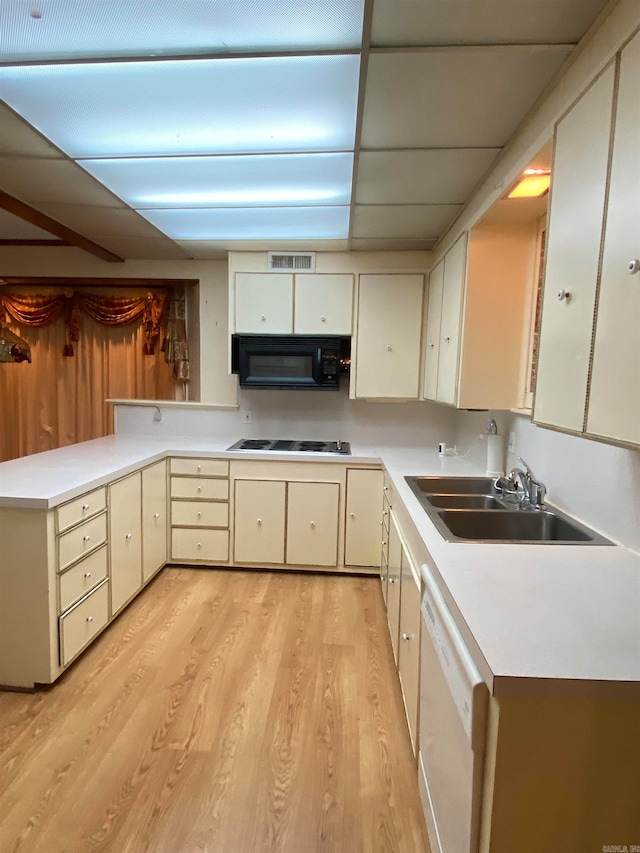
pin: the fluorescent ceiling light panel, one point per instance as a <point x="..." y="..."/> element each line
<point x="259" y="223"/>
<point x="196" y="106"/>
<point x="50" y="29"/>
<point x="533" y="184"/>
<point x="262" y="180"/>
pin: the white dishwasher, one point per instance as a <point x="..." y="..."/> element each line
<point x="453" y="717"/>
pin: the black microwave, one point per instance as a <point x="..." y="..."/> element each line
<point x="289" y="361"/>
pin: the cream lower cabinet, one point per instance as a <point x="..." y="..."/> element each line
<point x="154" y="519"/>
<point x="125" y="539"/>
<point x="409" y="643"/>
<point x="394" y="580"/>
<point x="291" y="523"/>
<point x="389" y="324"/>
<point x="362" y="523"/>
<point x="199" y="493"/>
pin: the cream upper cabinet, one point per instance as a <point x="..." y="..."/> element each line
<point x="389" y="319"/>
<point x="323" y="304"/>
<point x="432" y="331"/>
<point x="614" y="398"/>
<point x="264" y="303"/>
<point x="475" y="316"/>
<point x="575" y="222"/>
<point x="312" y="524"/>
<point x="364" y="511"/>
<point x="304" y="304"/>
<point x="125" y="539"/>
<point x="259" y="529"/>
<point x="154" y="518"/>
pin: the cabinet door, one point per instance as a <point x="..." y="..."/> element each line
<point x="572" y="254"/>
<point x="323" y="304"/>
<point x="154" y="519"/>
<point x="409" y="645"/>
<point x="364" y="511"/>
<point x="388" y="346"/>
<point x="614" y="399"/>
<point x="264" y="303"/>
<point x="312" y="524"/>
<point x="432" y="334"/>
<point x="259" y="521"/>
<point x="393" y="584"/>
<point x="125" y="539"/>
<point x="453" y="280"/>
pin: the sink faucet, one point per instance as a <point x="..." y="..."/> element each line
<point x="534" y="491"/>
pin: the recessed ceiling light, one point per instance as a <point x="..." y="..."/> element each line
<point x="533" y="184"/>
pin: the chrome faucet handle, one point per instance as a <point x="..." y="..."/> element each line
<point x="535" y="489"/>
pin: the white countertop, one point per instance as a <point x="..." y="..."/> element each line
<point x="546" y="613"/>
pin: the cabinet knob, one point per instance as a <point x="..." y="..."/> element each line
<point x="352" y="515"/>
<point x="323" y="319"/>
<point x="388" y="348"/>
<point x="128" y="536"/>
<point x="199" y="468"/>
<point x="259" y="521"/>
<point x="85" y="507"/>
<point x="564" y="295"/>
<point x="634" y="266"/>
<point x="263" y="318"/>
<point x="87" y="574"/>
<point x="432" y="346"/>
<point x="406" y="637"/>
<point x="86" y="538"/>
<point x="198" y="488"/>
<point x="199" y="544"/>
<point x="89" y="618"/>
<point x="199" y="515"/>
<point x="392" y="580"/>
<point x="312" y="524"/>
<point x="156" y="515"/>
<point x="447" y="340"/>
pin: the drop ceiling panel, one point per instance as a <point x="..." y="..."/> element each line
<point x="257" y="105"/>
<point x="453" y="97"/>
<point x="260" y="223"/>
<point x="14" y="228"/>
<point x="403" y="221"/>
<point x="442" y="22"/>
<point x="438" y="176"/>
<point x="263" y="180"/>
<point x="97" y="222"/>
<point x="116" y="27"/>
<point x="137" y="248"/>
<point x="36" y="181"/>
<point x="19" y="138"/>
<point x="217" y="249"/>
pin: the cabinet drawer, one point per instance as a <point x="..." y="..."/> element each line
<point x="199" y="488"/>
<point x="71" y="513"/>
<point x="80" y="625"/>
<point x="199" y="514"/>
<point x="201" y="467"/>
<point x="82" y="539"/>
<point x="206" y="545"/>
<point x="82" y="578"/>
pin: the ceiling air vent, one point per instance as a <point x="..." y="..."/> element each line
<point x="292" y="262"/>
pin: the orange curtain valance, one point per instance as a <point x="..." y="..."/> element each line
<point x="38" y="311"/>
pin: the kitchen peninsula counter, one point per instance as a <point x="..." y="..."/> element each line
<point x="534" y="616"/>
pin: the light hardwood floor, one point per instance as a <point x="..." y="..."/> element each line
<point x="226" y="712"/>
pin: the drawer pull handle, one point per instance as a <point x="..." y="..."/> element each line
<point x="86" y="538"/>
<point x="85" y="506"/>
<point x="156" y="515"/>
<point x="87" y="574"/>
<point x="128" y="536"/>
<point x="89" y="618"/>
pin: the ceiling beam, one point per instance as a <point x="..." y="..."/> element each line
<point x="41" y="220"/>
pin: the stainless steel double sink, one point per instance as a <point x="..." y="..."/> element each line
<point x="471" y="509"/>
